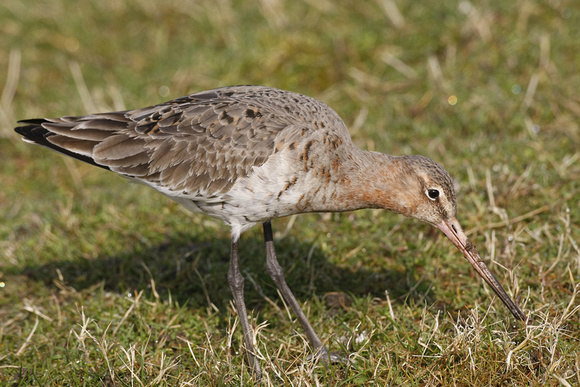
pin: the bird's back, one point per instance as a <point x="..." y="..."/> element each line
<point x="195" y="146"/>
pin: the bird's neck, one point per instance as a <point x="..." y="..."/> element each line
<point x="368" y="180"/>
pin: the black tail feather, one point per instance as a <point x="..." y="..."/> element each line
<point x="34" y="132"/>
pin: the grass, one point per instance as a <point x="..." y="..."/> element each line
<point x="108" y="283"/>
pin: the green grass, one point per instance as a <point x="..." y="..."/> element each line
<point x="108" y="283"/>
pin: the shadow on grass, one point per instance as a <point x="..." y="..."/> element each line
<point x="193" y="271"/>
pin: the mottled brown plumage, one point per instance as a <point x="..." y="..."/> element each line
<point x="248" y="154"/>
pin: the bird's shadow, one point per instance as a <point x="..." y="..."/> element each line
<point x="193" y="272"/>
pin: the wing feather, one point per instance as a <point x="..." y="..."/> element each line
<point x="200" y="144"/>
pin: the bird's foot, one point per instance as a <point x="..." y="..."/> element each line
<point x="322" y="354"/>
<point x="254" y="364"/>
<point x="257" y="374"/>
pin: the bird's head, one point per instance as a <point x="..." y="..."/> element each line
<point x="425" y="191"/>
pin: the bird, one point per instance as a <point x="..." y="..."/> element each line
<point x="249" y="154"/>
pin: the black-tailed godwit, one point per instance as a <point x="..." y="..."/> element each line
<point x="248" y="154"/>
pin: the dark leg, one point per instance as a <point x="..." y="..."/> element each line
<point x="277" y="273"/>
<point x="236" y="282"/>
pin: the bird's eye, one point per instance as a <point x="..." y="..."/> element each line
<point x="433" y="194"/>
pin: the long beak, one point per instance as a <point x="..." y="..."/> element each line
<point x="453" y="230"/>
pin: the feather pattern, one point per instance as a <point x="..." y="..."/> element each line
<point x="198" y="146"/>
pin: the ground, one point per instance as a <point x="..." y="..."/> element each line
<point x="103" y="282"/>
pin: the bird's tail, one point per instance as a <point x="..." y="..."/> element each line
<point x="63" y="135"/>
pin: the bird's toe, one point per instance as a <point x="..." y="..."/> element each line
<point x="322" y="354"/>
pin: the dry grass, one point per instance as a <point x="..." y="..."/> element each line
<point x="105" y="283"/>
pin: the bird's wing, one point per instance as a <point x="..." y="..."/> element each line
<point x="199" y="144"/>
